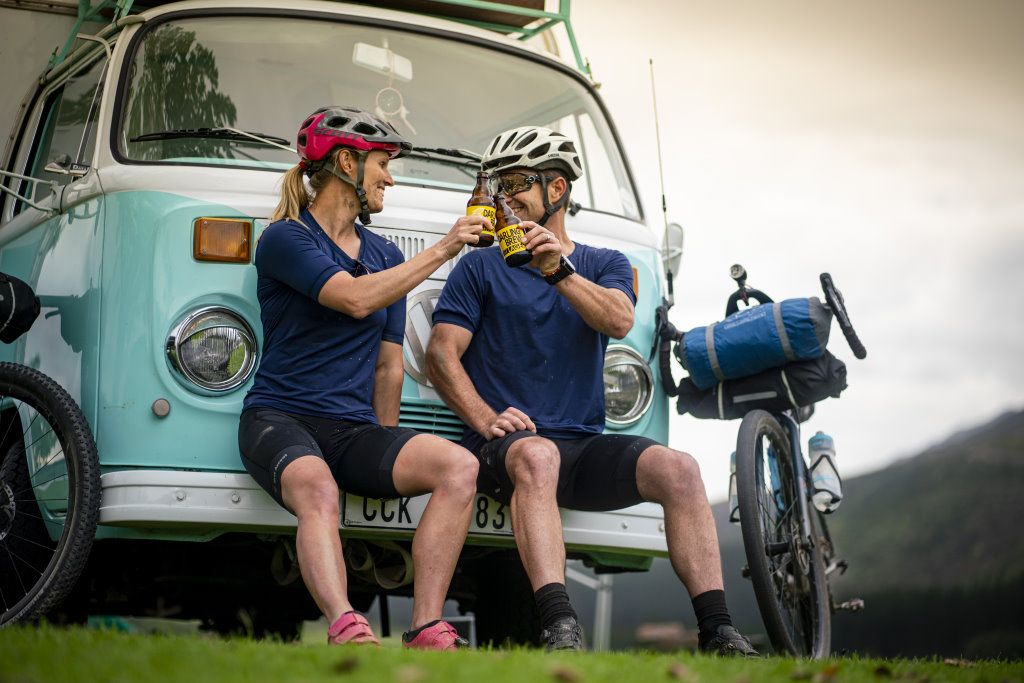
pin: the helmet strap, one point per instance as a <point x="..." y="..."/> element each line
<point x="549" y="208"/>
<point x="357" y="184"/>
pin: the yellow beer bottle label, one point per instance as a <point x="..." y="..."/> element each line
<point x="510" y="238"/>
<point x="485" y="211"/>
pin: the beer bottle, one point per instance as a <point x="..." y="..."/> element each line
<point x="481" y="204"/>
<point x="510" y="234"/>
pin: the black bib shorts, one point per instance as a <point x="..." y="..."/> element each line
<point x="361" y="455"/>
<point x="597" y="473"/>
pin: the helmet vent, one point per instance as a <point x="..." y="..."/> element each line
<point x="337" y="122"/>
<point x="566" y="147"/>
<point x="527" y="139"/>
<point x="302" y="139"/>
<point x="508" y="142"/>
<point x="365" y="128"/>
<point x="306" y="123"/>
<point x="539" y="151"/>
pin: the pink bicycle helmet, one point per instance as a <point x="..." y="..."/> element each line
<point x="330" y="127"/>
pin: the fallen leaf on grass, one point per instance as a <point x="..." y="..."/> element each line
<point x="409" y="674"/>
<point x="882" y="671"/>
<point x="963" y="663"/>
<point x="680" y="672"/>
<point x="825" y="675"/>
<point x="343" y="666"/>
<point x="564" y="673"/>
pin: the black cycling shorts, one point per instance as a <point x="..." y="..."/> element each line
<point x="596" y="473"/>
<point x="360" y="455"/>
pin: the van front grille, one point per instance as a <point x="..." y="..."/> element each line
<point x="431" y="419"/>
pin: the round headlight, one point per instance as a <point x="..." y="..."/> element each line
<point x="213" y="350"/>
<point x="628" y="385"/>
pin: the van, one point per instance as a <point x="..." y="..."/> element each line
<point x="140" y="172"/>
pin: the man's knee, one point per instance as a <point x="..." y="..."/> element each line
<point x="533" y="463"/>
<point x="674" y="473"/>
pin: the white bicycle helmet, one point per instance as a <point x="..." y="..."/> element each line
<point x="540" y="149"/>
<point x="532" y="147"/>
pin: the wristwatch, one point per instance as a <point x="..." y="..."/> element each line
<point x="564" y="270"/>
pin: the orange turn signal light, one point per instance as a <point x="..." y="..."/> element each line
<point x="223" y="240"/>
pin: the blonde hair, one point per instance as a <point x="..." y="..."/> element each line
<point x="294" y="194"/>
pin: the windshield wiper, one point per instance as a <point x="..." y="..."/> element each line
<point x="215" y="133"/>
<point x="459" y="157"/>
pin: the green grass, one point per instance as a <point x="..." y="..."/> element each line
<point x="55" y="655"/>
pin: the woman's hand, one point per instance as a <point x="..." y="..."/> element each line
<point x="465" y="231"/>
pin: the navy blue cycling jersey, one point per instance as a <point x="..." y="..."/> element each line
<point x="318" y="361"/>
<point x="530" y="349"/>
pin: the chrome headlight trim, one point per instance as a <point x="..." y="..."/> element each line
<point x="619" y="355"/>
<point x="205" y="318"/>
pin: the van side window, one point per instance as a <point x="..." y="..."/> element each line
<point x="67" y="128"/>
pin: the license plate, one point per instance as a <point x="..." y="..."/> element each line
<point x="489" y="516"/>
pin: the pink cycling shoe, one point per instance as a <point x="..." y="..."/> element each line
<point x="351" y="628"/>
<point x="437" y="635"/>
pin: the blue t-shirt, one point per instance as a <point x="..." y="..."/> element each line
<point x="530" y="348"/>
<point x="318" y="361"/>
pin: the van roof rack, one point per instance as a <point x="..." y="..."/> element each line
<point x="521" y="19"/>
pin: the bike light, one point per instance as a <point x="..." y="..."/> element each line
<point x="212" y="350"/>
<point x="628" y="385"/>
<point x="224" y="240"/>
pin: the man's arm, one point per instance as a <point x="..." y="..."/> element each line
<point x="444" y="368"/>
<point x="387" y="384"/>
<point x="605" y="309"/>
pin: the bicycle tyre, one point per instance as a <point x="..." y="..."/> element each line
<point x="23" y="524"/>
<point x="789" y="582"/>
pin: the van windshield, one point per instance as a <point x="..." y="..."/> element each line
<point x="264" y="74"/>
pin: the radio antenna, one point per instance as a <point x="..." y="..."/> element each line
<point x="661" y="178"/>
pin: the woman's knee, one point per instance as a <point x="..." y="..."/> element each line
<point x="534" y="463"/>
<point x="313" y="496"/>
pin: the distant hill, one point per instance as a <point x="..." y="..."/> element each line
<point x="933" y="547"/>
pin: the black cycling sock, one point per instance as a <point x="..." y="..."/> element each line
<point x="711" y="613"/>
<point x="553" y="602"/>
<point x="410" y="636"/>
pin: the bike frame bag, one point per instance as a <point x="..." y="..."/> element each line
<point x="793" y="386"/>
<point x="755" y="339"/>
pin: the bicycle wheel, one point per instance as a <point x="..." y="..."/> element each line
<point x="49" y="493"/>
<point x="786" y="569"/>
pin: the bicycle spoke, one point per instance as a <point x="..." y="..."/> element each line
<point x="60" y="451"/>
<point x="14" y="565"/>
<point x="26" y="562"/>
<point x="8" y="430"/>
<point x="29" y="540"/>
<point x="42" y="483"/>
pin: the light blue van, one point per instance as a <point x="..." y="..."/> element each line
<point x="159" y="143"/>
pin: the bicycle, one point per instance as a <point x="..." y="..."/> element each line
<point x="790" y="553"/>
<point x="49" y="493"/>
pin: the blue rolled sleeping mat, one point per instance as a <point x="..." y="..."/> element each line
<point x="754" y="340"/>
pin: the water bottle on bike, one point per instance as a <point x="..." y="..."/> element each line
<point x="828" y="487"/>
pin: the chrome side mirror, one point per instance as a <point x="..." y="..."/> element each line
<point x="63" y="165"/>
<point x="672" y="249"/>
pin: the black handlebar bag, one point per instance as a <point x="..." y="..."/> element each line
<point x="19" y="308"/>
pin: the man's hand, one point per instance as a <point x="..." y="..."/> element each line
<point x="512" y="420"/>
<point x="547" y="250"/>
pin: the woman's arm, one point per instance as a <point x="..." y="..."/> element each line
<point x="360" y="296"/>
<point x="387" y="384"/>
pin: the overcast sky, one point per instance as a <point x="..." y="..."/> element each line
<point x="880" y="141"/>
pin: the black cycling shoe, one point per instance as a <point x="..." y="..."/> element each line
<point x="564" y="634"/>
<point x="728" y="642"/>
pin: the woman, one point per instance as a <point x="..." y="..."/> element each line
<point x="323" y="410"/>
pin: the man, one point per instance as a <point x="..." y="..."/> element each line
<point x="518" y="354"/>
